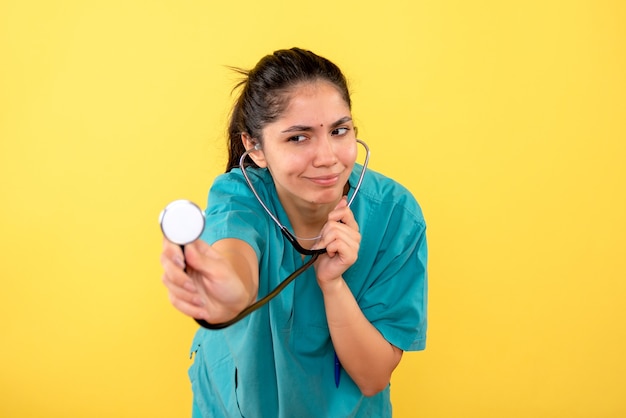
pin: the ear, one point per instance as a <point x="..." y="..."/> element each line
<point x="257" y="155"/>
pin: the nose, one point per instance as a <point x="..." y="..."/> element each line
<point x="324" y="153"/>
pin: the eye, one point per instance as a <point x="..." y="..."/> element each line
<point x="340" y="131"/>
<point x="297" y="138"/>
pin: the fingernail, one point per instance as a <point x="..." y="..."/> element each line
<point x="179" y="261"/>
<point x="198" y="301"/>
<point x="189" y="285"/>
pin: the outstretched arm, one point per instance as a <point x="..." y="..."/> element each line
<point x="210" y="282"/>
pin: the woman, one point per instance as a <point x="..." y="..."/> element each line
<point x="328" y="344"/>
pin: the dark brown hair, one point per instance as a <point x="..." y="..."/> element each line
<point x="264" y="93"/>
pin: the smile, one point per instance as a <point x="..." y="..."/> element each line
<point x="325" y="180"/>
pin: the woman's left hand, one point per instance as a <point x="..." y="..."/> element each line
<point x="341" y="238"/>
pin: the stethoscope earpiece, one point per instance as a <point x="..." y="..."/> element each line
<point x="182" y="222"/>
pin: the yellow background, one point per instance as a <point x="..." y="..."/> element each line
<point x="505" y="119"/>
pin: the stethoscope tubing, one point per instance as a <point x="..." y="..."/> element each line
<point x="256" y="305"/>
<point x="290" y="237"/>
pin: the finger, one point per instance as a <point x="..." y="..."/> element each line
<point x="171" y="248"/>
<point x="342" y="213"/>
<point x="187" y="308"/>
<point x="188" y="294"/>
<point x="341" y="258"/>
<point x="175" y="274"/>
<point x="343" y="202"/>
<point x="173" y="257"/>
<point x="345" y="249"/>
<point x="348" y="229"/>
<point x="175" y="261"/>
<point x="339" y="238"/>
<point x="174" y="253"/>
<point x="342" y="242"/>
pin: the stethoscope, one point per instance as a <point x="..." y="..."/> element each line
<point x="182" y="222"/>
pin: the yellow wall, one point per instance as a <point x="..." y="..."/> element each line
<point x="506" y="120"/>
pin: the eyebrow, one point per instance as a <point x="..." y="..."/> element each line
<point x="304" y="128"/>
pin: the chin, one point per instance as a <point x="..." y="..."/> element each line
<point x="326" y="199"/>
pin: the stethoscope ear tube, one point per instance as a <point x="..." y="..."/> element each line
<point x="242" y="167"/>
<point x="365" y="163"/>
<point x="186" y="226"/>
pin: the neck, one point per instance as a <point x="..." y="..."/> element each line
<point x="307" y="219"/>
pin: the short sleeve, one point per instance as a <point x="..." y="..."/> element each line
<point x="233" y="212"/>
<point x="395" y="300"/>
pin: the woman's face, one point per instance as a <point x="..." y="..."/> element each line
<point x="311" y="149"/>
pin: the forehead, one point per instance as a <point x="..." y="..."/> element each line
<point x="314" y="98"/>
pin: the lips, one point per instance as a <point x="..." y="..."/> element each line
<point x="329" y="180"/>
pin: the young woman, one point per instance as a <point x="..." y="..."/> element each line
<point x="327" y="345"/>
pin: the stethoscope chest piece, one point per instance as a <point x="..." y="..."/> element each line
<point x="182" y="222"/>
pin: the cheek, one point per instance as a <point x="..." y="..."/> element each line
<point x="286" y="165"/>
<point x="348" y="154"/>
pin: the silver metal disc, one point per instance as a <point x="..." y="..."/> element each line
<point x="182" y="222"/>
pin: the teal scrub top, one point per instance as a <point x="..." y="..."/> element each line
<point x="279" y="361"/>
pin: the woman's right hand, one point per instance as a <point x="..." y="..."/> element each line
<point x="207" y="282"/>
